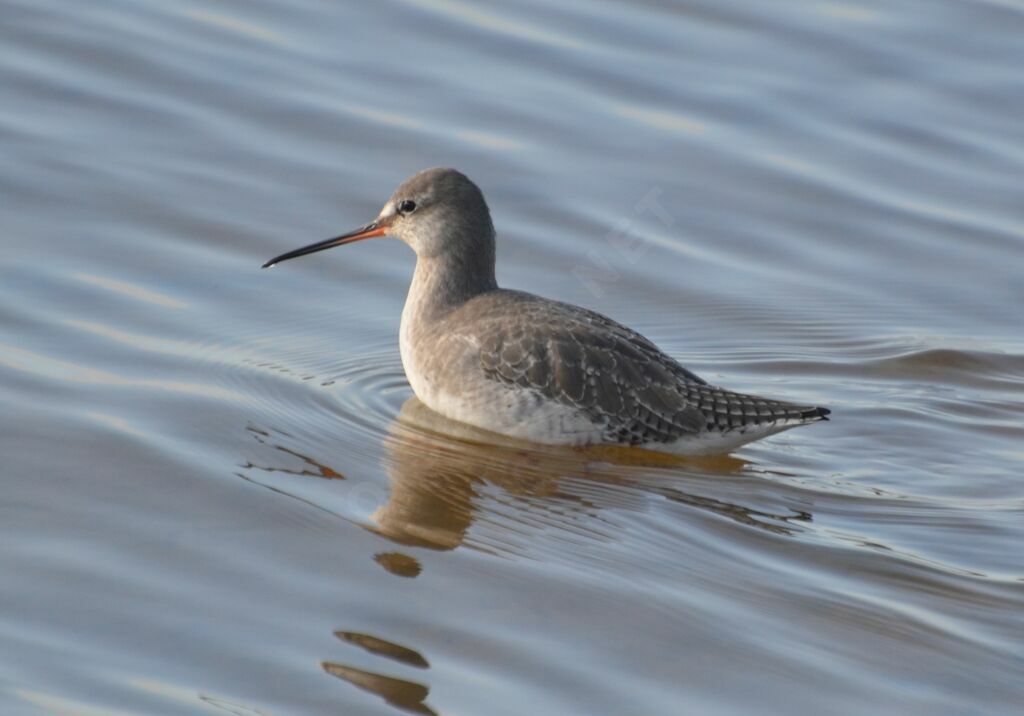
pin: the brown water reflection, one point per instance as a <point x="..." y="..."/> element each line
<point x="443" y="476"/>
<point x="405" y="695"/>
<point x="402" y="693"/>
<point x="438" y="469"/>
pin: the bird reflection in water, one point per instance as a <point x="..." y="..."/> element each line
<point x="401" y="693"/>
<point x="446" y="476"/>
<point x="440" y="471"/>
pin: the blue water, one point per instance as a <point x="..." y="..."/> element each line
<point x="219" y="497"/>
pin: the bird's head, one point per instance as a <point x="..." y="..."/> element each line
<point x="437" y="212"/>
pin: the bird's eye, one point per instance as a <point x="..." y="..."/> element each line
<point x="407" y="206"/>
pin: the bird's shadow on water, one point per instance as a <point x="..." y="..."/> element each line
<point x="444" y="476"/>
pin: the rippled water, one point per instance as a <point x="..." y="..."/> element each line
<point x="219" y="495"/>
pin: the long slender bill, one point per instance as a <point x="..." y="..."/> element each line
<point x="372" y="229"/>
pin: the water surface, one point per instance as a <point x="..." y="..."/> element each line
<point x="220" y="496"/>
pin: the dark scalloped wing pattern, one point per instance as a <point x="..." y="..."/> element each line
<point x="610" y="373"/>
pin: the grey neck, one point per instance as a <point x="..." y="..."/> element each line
<point x="447" y="280"/>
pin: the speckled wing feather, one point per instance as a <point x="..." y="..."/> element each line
<point x="612" y="374"/>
